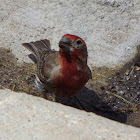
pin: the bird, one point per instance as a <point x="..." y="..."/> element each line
<point x="65" y="72"/>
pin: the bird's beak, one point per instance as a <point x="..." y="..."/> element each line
<point x="65" y="43"/>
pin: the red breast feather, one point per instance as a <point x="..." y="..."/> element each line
<point x="72" y="79"/>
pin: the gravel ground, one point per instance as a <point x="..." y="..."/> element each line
<point x="115" y="95"/>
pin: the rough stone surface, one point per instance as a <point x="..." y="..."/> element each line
<point x="25" y="116"/>
<point x="111" y="28"/>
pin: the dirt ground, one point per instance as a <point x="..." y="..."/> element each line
<point x="114" y="94"/>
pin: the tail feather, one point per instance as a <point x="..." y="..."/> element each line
<point x="38" y="47"/>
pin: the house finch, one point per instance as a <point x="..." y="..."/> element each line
<point x="63" y="72"/>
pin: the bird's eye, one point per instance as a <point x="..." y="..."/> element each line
<point x="79" y="42"/>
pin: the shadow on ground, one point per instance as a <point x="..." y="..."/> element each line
<point x="90" y="102"/>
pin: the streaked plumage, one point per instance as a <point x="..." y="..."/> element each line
<point x="63" y="72"/>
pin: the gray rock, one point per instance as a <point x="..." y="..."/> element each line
<point x="109" y="27"/>
<point x="25" y="116"/>
<point x="111" y="31"/>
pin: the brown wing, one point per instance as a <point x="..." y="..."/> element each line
<point x="50" y="67"/>
<point x="49" y="70"/>
<point x="38" y="47"/>
<point x="47" y="59"/>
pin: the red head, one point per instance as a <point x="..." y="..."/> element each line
<point x="74" y="37"/>
<point x="73" y="47"/>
